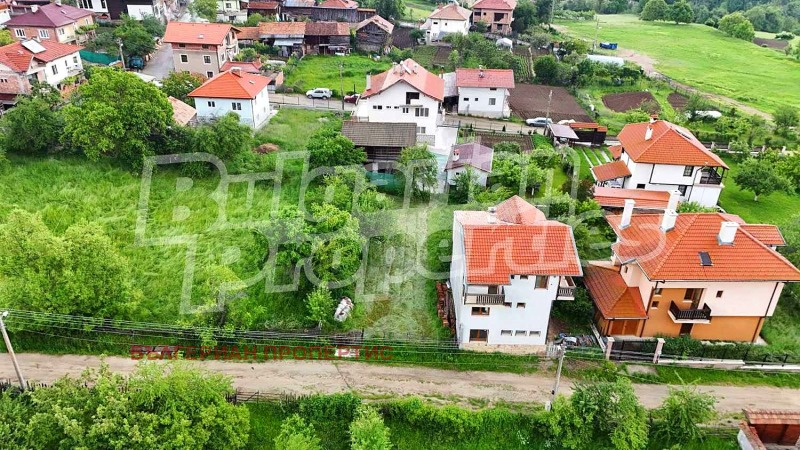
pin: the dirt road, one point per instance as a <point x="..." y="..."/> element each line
<point x="380" y="380"/>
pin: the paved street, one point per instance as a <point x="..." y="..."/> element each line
<point x="298" y="377"/>
<point x="161" y="63"/>
<point x="302" y="100"/>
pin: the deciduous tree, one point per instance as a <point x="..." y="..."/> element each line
<point x="180" y="84"/>
<point x="786" y="116"/>
<point x="136" y="39"/>
<point x="116" y="114"/>
<point x="5" y="37"/>
<point x="524" y="16"/>
<point x="329" y="148"/>
<point x="655" y="10"/>
<point x="738" y="26"/>
<point x="681" y="12"/>
<point x="760" y="177"/>
<point x="206" y="9"/>
<point x="320" y="305"/>
<point x="465" y="186"/>
<point x="31" y="127"/>
<point x="419" y="169"/>
<point x="681" y="415"/>
<point x="296" y="434"/>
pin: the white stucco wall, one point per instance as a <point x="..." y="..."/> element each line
<point x="480" y="175"/>
<point x="667" y="177"/>
<point x="254" y="113"/>
<point x="475" y="102"/>
<point x="437" y="26"/>
<point x="393" y="101"/>
<point x="67" y="66"/>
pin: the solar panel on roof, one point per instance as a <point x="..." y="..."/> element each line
<point x="33" y="46"/>
<point x="705" y="259"/>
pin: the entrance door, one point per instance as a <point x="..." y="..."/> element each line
<point x="686" y="329"/>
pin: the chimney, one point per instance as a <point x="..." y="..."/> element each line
<point x="369" y="82"/>
<point x="648" y="134"/>
<point x="727" y="233"/>
<point x="58" y="2"/>
<point x="627" y="212"/>
<point x="653" y="118"/>
<point x="492" y="214"/>
<point x="668" y="220"/>
<point x="456" y="154"/>
<point x="674" y="196"/>
<point x="34" y="8"/>
<point x="480" y="72"/>
<point x="236" y="71"/>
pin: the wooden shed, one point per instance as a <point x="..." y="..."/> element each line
<point x="374" y="34"/>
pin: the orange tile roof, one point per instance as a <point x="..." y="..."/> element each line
<point x="611" y="295"/>
<point x="615" y="150"/>
<point x="674" y="255"/>
<point x="488" y="78"/>
<point x="772" y="417"/>
<point x="249" y="33"/>
<point x="327" y="29"/>
<point x="499" y="5"/>
<point x="249" y="67"/>
<point x="411" y="73"/>
<point x="182" y="113"/>
<point x="382" y="23"/>
<point x="592" y="125"/>
<point x="348" y="4"/>
<point x="766" y="233"/>
<point x="197" y="33"/>
<point x="452" y="11"/>
<point x="282" y="28"/>
<point x="610" y="171"/>
<point x="241" y="85"/>
<point x="517" y="210"/>
<point x="615" y="198"/>
<point x="19" y="58"/>
<point x="262" y="5"/>
<point x="669" y="144"/>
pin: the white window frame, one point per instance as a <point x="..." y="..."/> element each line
<point x="44" y="34"/>
<point x="236" y="106"/>
<point x="206" y="59"/>
<point x="19" y="32"/>
<point x="184" y="59"/>
<point x="212" y="104"/>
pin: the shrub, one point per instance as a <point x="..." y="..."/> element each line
<point x="296" y="434"/>
<point x="738" y="26"/>
<point x="368" y="432"/>
<point x="679" y="417"/>
<point x="317" y="408"/>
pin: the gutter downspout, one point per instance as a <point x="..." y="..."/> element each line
<point x="761" y="320"/>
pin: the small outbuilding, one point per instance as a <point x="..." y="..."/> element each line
<point x="769" y="427"/>
<point x="474" y="155"/>
<point x="561" y="134"/>
<point x="593" y="133"/>
<point x="382" y="141"/>
<point x="374" y="34"/>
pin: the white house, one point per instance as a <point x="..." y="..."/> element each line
<point x="474" y="156"/>
<point x="710" y="276"/>
<point x="46" y="61"/>
<point x="448" y="19"/>
<point x="232" y="10"/>
<point x="484" y="92"/>
<point x="236" y="91"/>
<point x="5" y="14"/>
<point x="509" y="265"/>
<point x="659" y="155"/>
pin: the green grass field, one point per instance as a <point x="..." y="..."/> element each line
<point x="417" y="10"/>
<point x="323" y="72"/>
<point x="775" y="208"/>
<point x="704" y="58"/>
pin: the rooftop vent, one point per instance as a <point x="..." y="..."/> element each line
<point x="648" y="133"/>
<point x="200" y="36"/>
<point x="668" y="220"/>
<point x="627" y="212"/>
<point x="727" y="233"/>
<point x="492" y="214"/>
<point x="705" y="259"/>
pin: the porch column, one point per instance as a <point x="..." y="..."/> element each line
<point x="659" y="346"/>
<point x="609" y="344"/>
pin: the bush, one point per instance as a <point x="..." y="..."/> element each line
<point x="296" y="434"/>
<point x="318" y="408"/>
<point x="679" y="417"/>
<point x="368" y="432"/>
<point x="738" y="26"/>
<point x="785" y="35"/>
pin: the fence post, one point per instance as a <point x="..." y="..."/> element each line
<point x="657" y="353"/>
<point x="609" y="344"/>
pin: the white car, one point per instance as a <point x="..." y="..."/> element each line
<point x="319" y="93"/>
<point x="539" y="122"/>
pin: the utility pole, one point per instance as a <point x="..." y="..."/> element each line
<point x="596" y="31"/>
<point x="121" y="56"/>
<point x="341" y="83"/>
<point x="561" y="352"/>
<point x="547" y="115"/>
<point x="10" y="349"/>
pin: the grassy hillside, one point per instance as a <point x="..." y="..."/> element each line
<point x="704" y="58"/>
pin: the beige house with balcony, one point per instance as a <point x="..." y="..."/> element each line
<point x="22" y="63"/>
<point x="53" y="22"/>
<point x="201" y="47"/>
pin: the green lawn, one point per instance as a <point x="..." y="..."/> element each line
<point x="704" y="58"/>
<point x="775" y="208"/>
<point x="323" y="72"/>
<point x="418" y="9"/>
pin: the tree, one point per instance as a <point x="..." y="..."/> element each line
<point x="78" y="273"/>
<point x="679" y="418"/>
<point x="368" y="432"/>
<point x="416" y="34"/>
<point x="247" y="54"/>
<point x="136" y="39"/>
<point x="225" y="138"/>
<point x="655" y="10"/>
<point x="613" y="412"/>
<point x="419" y="168"/>
<point x="694" y="104"/>
<point x="389" y="9"/>
<point x="759" y="177"/>
<point x="546" y="69"/>
<point x="116" y="114"/>
<point x="694" y="207"/>
<point x="507" y="147"/>
<point x="329" y="148"/>
<point x="524" y="16"/>
<point x="254" y="19"/>
<point x="681" y="12"/>
<point x="465" y="186"/>
<point x="786" y="116"/>
<point x="320" y="305"/>
<point x="737" y="25"/>
<point x="206" y="9"/>
<point x="31" y="127"/>
<point x="544" y="9"/>
<point x="5" y="37"/>
<point x="180" y="84"/>
<point x="789" y="166"/>
<point x="154" y="26"/>
<point x="296" y="434"/>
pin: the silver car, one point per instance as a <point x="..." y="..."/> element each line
<point x="319" y="93"/>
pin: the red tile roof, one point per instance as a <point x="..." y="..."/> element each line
<point x="182" y="113"/>
<point x="451" y="11"/>
<point x="615" y="150"/>
<point x="50" y="15"/>
<point x="501" y="5"/>
<point x="610" y="171"/>
<point x="262" y="5"/>
<point x="327" y="29"/>
<point x="19" y="58"/>
<point x="248" y="33"/>
<point x="592" y="125"/>
<point x="615" y="198"/>
<point x="382" y="23"/>
<point x="411" y="73"/>
<point x="669" y="144"/>
<point x="766" y="233"/>
<point x="613" y="298"/>
<point x="674" y="255"/>
<point x="516" y="244"/>
<point x="282" y="28"/>
<point x="348" y="4"/>
<point x="249" y="67"/>
<point x="772" y="417"/>
<point x="241" y="85"/>
<point x="485" y="78"/>
<point x="471" y="154"/>
<point x="197" y="33"/>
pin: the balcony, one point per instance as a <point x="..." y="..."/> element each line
<point x="485" y="299"/>
<point x="566" y="289"/>
<point x="692" y="315"/>
<point x="710" y="177"/>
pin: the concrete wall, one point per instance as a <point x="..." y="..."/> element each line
<point x="475" y="102"/>
<point x="66" y="66"/>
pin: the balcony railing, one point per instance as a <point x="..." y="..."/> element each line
<point x="710" y="177"/>
<point x="692" y="314"/>
<point x="486" y="299"/>
<point x="566" y="289"/>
